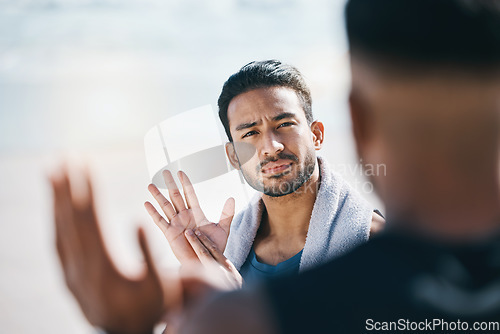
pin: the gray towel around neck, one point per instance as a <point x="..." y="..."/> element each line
<point x="340" y="220"/>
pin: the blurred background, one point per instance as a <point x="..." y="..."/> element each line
<point x="85" y="80"/>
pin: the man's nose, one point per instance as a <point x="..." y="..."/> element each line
<point x="271" y="145"/>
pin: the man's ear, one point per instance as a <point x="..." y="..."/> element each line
<point x="231" y="155"/>
<point x="318" y="131"/>
<point x="362" y="125"/>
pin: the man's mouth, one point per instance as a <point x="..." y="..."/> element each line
<point x="276" y="167"/>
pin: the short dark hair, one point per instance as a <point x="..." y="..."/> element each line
<point x="427" y="32"/>
<point x="263" y="74"/>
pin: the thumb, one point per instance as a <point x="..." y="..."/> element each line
<point x="226" y="217"/>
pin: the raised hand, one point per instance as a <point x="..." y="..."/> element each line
<point x="108" y="299"/>
<point x="211" y="256"/>
<point x="184" y="215"/>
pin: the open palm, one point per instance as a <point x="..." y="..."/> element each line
<point x="183" y="215"/>
<point x="108" y="298"/>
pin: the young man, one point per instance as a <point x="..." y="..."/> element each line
<point x="305" y="214"/>
<point x="425" y="100"/>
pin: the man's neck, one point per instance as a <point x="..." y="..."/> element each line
<point x="285" y="222"/>
<point x="288" y="216"/>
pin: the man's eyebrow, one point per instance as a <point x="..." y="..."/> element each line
<point x="279" y="117"/>
<point x="244" y="126"/>
<point x="283" y="115"/>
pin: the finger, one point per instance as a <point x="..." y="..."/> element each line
<point x="231" y="272"/>
<point x="157" y="218"/>
<point x="173" y="192"/>
<point x="63" y="215"/>
<point x="67" y="243"/>
<point x="165" y="205"/>
<point x="201" y="251"/>
<point x="189" y="193"/>
<point x="212" y="248"/>
<point x="89" y="191"/>
<point x="60" y="250"/>
<point x="87" y="223"/>
<point x="88" y="214"/>
<point x="227" y="215"/>
<point x="57" y="223"/>
<point x="151" y="268"/>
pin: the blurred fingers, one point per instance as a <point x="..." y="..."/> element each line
<point x="85" y="217"/>
<point x="152" y="271"/>
<point x="66" y="238"/>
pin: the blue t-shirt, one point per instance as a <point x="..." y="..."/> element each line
<point x="253" y="270"/>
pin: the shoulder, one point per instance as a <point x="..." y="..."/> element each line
<point x="337" y="184"/>
<point x="352" y="196"/>
<point x="238" y="218"/>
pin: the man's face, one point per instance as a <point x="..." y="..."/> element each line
<point x="274" y="145"/>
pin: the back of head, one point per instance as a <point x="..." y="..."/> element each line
<point x="263" y="74"/>
<point x="426" y="77"/>
<point x="461" y="33"/>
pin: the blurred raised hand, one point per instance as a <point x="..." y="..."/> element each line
<point x="108" y="299"/>
<point x="182" y="214"/>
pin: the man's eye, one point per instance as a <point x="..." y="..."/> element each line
<point x="285" y="124"/>
<point x="248" y="134"/>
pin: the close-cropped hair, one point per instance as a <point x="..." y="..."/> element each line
<point x="462" y="33"/>
<point x="263" y="74"/>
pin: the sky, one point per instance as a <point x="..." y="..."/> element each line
<point x="116" y="68"/>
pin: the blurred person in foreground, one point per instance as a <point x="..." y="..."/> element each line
<point x="303" y="213"/>
<point x="425" y="100"/>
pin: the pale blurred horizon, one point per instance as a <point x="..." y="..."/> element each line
<point x="89" y="78"/>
